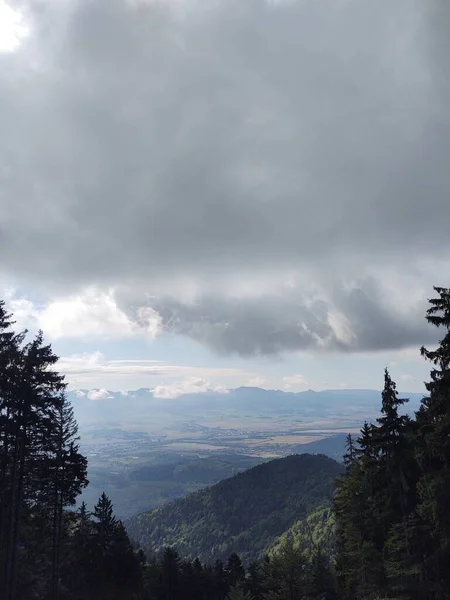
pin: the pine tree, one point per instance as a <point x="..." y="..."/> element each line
<point x="220" y="583"/>
<point x="106" y="523"/>
<point x="41" y="468"/>
<point x="350" y="452"/>
<point x="235" y="571"/>
<point x="286" y="574"/>
<point x="79" y="568"/>
<point x="359" y="532"/>
<point x="433" y="447"/>
<point x="170" y="566"/>
<point x="10" y="364"/>
<point x="354" y="572"/>
<point x="66" y="472"/>
<point x="320" y="584"/>
<point x="114" y="567"/>
<point x="36" y="394"/>
<point x="254" y="583"/>
<point x="397" y="478"/>
<point x="237" y="592"/>
<point x="122" y="565"/>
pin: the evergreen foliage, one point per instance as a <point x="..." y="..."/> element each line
<point x="47" y="551"/>
<point x="387" y="535"/>
<point x="391" y="506"/>
<point x="243" y="514"/>
<point x="318" y="529"/>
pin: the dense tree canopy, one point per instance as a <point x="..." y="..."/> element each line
<point x="41" y="474"/>
<point x="242" y="514"/>
<point x="393" y="522"/>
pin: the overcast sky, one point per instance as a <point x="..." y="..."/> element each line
<point x="205" y="194"/>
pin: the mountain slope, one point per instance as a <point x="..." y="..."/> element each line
<point x="242" y="514"/>
<point x="317" y="529"/>
<point x="332" y="446"/>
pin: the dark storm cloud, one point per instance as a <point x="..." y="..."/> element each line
<point x="249" y="327"/>
<point x="270" y="325"/>
<point x="194" y="146"/>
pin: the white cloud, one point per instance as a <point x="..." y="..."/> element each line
<point x="192" y="385"/>
<point x="341" y="327"/>
<point x="92" y="370"/>
<point x="12" y="28"/>
<point x="99" y="395"/>
<point x="259" y="381"/>
<point x="85" y="360"/>
<point x="89" y="315"/>
<point x="295" y="382"/>
<point x="25" y="313"/>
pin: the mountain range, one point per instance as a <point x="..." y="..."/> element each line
<point x="341" y="406"/>
<point x="145" y="451"/>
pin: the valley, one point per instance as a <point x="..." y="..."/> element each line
<point x="148" y="451"/>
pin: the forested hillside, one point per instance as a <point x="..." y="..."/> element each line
<point x="390" y="508"/>
<point x="317" y="529"/>
<point x="161" y="479"/>
<point x="242" y="514"/>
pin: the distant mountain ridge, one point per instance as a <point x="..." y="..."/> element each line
<point x="245" y="513"/>
<point x="241" y="391"/>
<point x="90" y="404"/>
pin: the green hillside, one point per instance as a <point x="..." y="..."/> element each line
<point x="317" y="529"/>
<point x="158" y="480"/>
<point x="243" y="514"/>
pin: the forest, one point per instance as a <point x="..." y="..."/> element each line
<point x="387" y="534"/>
<point x="243" y="514"/>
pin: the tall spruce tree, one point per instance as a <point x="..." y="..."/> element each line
<point x="393" y="523"/>
<point x="320" y="583"/>
<point x="105" y="522"/>
<point x="10" y="365"/>
<point x="397" y="477"/>
<point x="235" y="570"/>
<point x="433" y="449"/>
<point x="78" y="569"/>
<point x="36" y="394"/>
<point x="237" y="592"/>
<point x="254" y="583"/>
<point x="114" y="571"/>
<point x="285" y="574"/>
<point x="65" y="469"/>
<point x="350" y="452"/>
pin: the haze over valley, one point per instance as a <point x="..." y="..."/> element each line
<point x="146" y="451"/>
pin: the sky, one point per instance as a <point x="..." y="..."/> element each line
<point x="201" y="195"/>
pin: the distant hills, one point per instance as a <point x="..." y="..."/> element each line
<point x="146" y="451"/>
<point x="332" y="446"/>
<point x="341" y="406"/>
<point x="244" y="514"/>
<point x="160" y="479"/>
